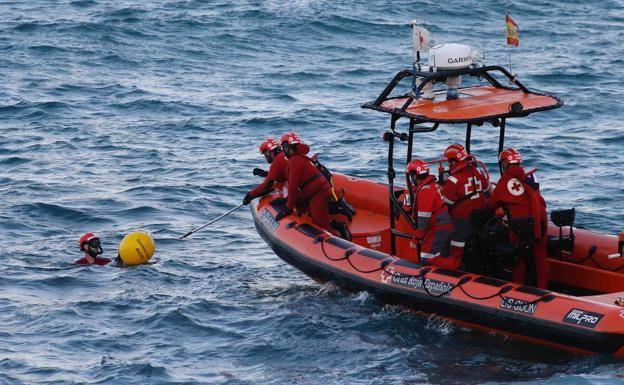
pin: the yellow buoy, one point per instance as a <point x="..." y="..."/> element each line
<point x="136" y="248"/>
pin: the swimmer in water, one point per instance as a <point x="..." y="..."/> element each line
<point x="90" y="244"/>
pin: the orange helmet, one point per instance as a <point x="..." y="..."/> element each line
<point x="86" y="238"/>
<point x="269" y="145"/>
<point x="455" y="152"/>
<point x="511" y="155"/>
<point x="417" y="167"/>
<point x="291" y="138"/>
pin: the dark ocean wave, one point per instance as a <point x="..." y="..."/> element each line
<point x="14" y="160"/>
<point x="34" y="26"/>
<point x="124" y="13"/>
<point x="83" y="3"/>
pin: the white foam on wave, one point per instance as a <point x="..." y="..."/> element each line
<point x="328" y="288"/>
<point x="440" y="324"/>
<point x="361" y="297"/>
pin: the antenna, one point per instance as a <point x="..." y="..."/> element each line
<point x="415" y="57"/>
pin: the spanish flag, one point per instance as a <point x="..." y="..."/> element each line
<point x="512" y="31"/>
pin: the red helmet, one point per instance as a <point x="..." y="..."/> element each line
<point x="291" y="138"/>
<point x="268" y="145"/>
<point x="511" y="155"/>
<point x="418" y="167"/>
<point x="455" y="152"/>
<point x="85" y="238"/>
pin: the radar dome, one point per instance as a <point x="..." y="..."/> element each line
<point x="450" y="56"/>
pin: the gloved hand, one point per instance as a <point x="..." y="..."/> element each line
<point x="279" y="201"/>
<point x="247" y="199"/>
<point x="283" y="214"/>
<point x="419" y="235"/>
<point x="260" y="172"/>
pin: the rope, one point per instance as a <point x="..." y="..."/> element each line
<point x="498" y="293"/>
<point x="421" y="276"/>
<point x="348" y="255"/>
<point x="591" y="258"/>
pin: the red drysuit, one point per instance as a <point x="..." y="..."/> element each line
<point x="464" y="189"/>
<point x="464" y="192"/>
<point x="308" y="188"/>
<point x="98" y="261"/>
<point x="433" y="224"/>
<point x="278" y="173"/>
<point x="515" y="192"/>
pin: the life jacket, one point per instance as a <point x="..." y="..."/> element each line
<point x="304" y="179"/>
<point x="322" y="169"/>
<point x="338" y="205"/>
<point x="519" y="198"/>
<point x="430" y="211"/>
<point x="464" y="190"/>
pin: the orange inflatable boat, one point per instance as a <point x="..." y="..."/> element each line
<point x="581" y="311"/>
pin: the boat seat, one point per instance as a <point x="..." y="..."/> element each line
<point x="370" y="229"/>
<point x="492" y="253"/>
<point x="562" y="243"/>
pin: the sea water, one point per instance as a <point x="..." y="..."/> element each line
<point x="121" y="116"/>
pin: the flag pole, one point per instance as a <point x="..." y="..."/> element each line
<point x="506" y="32"/>
<point x="414" y="59"/>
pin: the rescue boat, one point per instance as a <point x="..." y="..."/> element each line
<point x="582" y="309"/>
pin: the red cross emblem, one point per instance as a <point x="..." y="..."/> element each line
<point x="515" y="187"/>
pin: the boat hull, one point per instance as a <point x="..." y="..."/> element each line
<point x="578" y="324"/>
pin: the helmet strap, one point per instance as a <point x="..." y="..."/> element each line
<point x="290" y="150"/>
<point x="270" y="155"/>
<point x="415" y="178"/>
<point x="95" y="251"/>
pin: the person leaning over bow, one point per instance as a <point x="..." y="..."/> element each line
<point x="278" y="169"/>
<point x="308" y="189"/>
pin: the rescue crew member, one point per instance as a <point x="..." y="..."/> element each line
<point x="463" y="191"/>
<point x="90" y="244"/>
<point x="433" y="223"/>
<point x="308" y="189"/>
<point x="278" y="169"/>
<point x="518" y="195"/>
